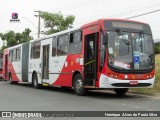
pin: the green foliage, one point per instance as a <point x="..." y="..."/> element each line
<point x="56" y="22"/>
<point x="13" y="38"/>
<point x="157" y="48"/>
<point x="3" y="47"/>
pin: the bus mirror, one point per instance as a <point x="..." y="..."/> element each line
<point x="104" y="37"/>
<point x="104" y="42"/>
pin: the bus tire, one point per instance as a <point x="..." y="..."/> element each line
<point x="78" y="85"/>
<point x="121" y="91"/>
<point x="35" y="81"/>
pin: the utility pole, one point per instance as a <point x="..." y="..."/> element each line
<point x="39" y="22"/>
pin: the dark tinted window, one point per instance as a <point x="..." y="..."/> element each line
<point x="62" y="45"/>
<point x="77" y="37"/>
<point x="11" y="55"/>
<point x="127" y="26"/>
<point x="15" y="54"/>
<point x="54" y="46"/>
<point x="18" y="52"/>
<point x="35" y="49"/>
<point x="75" y="43"/>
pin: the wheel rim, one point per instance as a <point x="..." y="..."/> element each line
<point x="78" y="85"/>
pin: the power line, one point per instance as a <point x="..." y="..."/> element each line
<point x="143" y="14"/>
<point x="126" y="12"/>
<point x="30" y="22"/>
<point x="80" y="4"/>
<point x="119" y="13"/>
<point x="91" y="2"/>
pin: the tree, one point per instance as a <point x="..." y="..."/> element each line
<point x="157" y="48"/>
<point x="24" y="36"/>
<point x="13" y="38"/>
<point x="56" y="22"/>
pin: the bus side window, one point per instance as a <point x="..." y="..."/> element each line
<point x="14" y="55"/>
<point x="11" y="55"/>
<point x="54" y="46"/>
<point x="31" y="51"/>
<point x="75" y="44"/>
<point x="18" y="53"/>
<point x="35" y="50"/>
<point x="62" y="45"/>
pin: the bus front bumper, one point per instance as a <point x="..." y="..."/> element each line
<point x="108" y="82"/>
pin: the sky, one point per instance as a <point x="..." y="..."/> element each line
<point x="84" y="11"/>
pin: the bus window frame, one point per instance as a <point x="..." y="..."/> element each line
<point x="76" y="42"/>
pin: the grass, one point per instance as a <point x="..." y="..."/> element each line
<point x="156" y="88"/>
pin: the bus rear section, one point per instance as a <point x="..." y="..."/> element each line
<point x="5" y="64"/>
<point x="15" y="63"/>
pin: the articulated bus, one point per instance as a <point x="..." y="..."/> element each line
<point x="113" y="54"/>
<point x="1" y="65"/>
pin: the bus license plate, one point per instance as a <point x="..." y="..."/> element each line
<point x="133" y="82"/>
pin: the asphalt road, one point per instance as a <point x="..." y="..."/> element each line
<point x="24" y="97"/>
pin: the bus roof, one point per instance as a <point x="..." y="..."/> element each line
<point x="101" y="20"/>
<point x="57" y="34"/>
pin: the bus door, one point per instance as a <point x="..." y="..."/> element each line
<point x="45" y="64"/>
<point x="90" y="59"/>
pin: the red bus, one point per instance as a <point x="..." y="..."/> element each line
<point x="1" y="65"/>
<point x="113" y="54"/>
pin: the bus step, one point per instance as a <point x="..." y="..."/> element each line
<point x="91" y="87"/>
<point x="89" y="82"/>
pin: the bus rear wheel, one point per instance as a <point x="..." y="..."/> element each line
<point x="78" y="85"/>
<point x="121" y="91"/>
<point x="35" y="81"/>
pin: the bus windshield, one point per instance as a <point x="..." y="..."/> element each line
<point x="129" y="50"/>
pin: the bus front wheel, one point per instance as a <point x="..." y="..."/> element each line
<point x="121" y="91"/>
<point x="78" y="85"/>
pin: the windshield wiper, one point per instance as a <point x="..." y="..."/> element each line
<point x="124" y="39"/>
